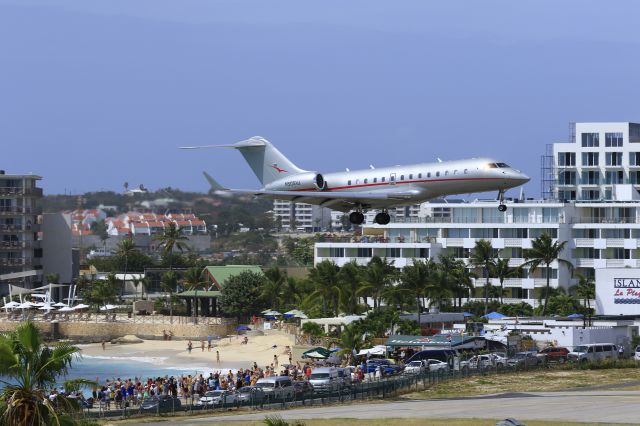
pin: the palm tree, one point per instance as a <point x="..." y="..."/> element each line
<point x="416" y="279"/>
<point x="377" y="277"/>
<point x="585" y="289"/>
<point x="273" y="287"/>
<point x="463" y="281"/>
<point x="31" y="369"/>
<point x="125" y="249"/>
<point x="483" y="256"/>
<point x="172" y="238"/>
<point x="439" y="288"/>
<point x="136" y="281"/>
<point x="325" y="278"/>
<point x="502" y="271"/>
<point x="350" y="278"/>
<point x="544" y="251"/>
<point x="193" y="279"/>
<point x="169" y="283"/>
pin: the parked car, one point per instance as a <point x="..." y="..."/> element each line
<point x="250" y="395"/>
<point x="554" y="354"/>
<point x="216" y="398"/>
<point x="485" y="361"/>
<point x="388" y="366"/>
<point x="523" y="359"/>
<point x="436" y="365"/>
<point x="276" y="388"/>
<point x="344" y="375"/>
<point x="160" y="404"/>
<point x="636" y="355"/>
<point x="414" y="367"/>
<point x="302" y="389"/>
<point x="593" y="352"/>
<point x="325" y="380"/>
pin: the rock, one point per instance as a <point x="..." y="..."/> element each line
<point x="129" y="338"/>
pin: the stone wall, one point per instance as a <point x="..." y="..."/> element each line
<point x="98" y="331"/>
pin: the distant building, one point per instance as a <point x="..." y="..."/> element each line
<point x="20" y="250"/>
<point x="300" y="216"/>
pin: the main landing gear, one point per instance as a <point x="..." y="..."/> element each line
<point x="357" y="218"/>
<point x="501" y="207"/>
<point x="382" y="218"/>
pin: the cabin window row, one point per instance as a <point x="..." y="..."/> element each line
<point x="392" y="178"/>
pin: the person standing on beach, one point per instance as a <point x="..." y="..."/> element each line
<point x="218" y="357"/>
<point x="202" y="345"/>
<point x="189" y="346"/>
<point x="104" y="345"/>
<point x="275" y="360"/>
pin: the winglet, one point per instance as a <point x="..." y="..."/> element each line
<point x="215" y="186"/>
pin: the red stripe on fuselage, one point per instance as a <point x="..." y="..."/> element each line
<point x="336" y="188"/>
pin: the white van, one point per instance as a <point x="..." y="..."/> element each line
<point x="636" y="355"/>
<point x="325" y="380"/>
<point x="593" y="352"/>
<point x="276" y="388"/>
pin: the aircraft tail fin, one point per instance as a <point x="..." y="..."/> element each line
<point x="215" y="186"/>
<point x="265" y="160"/>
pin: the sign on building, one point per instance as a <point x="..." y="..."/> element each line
<point x="618" y="291"/>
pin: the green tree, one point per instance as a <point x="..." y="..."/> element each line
<point x="462" y="282"/>
<point x="350" y="278"/>
<point x="502" y="271"/>
<point x="563" y="305"/>
<point x="99" y="228"/>
<point x="483" y="256"/>
<point x="324" y="276"/>
<point x="303" y="251"/>
<point x="193" y="279"/>
<point x="241" y="295"/>
<point x="170" y="239"/>
<point x="377" y="277"/>
<point x="275" y="280"/>
<point x="169" y="283"/>
<point x="585" y="289"/>
<point x="312" y="329"/>
<point x="32" y="368"/>
<point x="416" y="279"/>
<point x="544" y="251"/>
<point x="124" y="250"/>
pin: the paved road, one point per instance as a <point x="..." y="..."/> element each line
<point x="580" y="406"/>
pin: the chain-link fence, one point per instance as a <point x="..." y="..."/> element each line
<point x="376" y="388"/>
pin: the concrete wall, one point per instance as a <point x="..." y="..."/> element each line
<point x="574" y="336"/>
<point x="56" y="246"/>
<point x="98" y="331"/>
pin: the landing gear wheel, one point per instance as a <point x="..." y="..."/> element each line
<point x="357" y="218"/>
<point x="382" y="218"/>
<point x="502" y="208"/>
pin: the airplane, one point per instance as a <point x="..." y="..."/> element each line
<point x="374" y="188"/>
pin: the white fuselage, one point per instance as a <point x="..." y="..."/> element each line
<point x="420" y="182"/>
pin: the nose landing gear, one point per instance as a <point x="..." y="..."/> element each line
<point x="501" y="207"/>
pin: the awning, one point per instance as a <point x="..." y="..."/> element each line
<point x="200" y="294"/>
<point x="317" y="353"/>
<point x="438" y="341"/>
<point x="376" y="350"/>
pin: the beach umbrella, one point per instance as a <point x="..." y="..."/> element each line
<point x="108" y="308"/>
<point x="494" y="315"/>
<point x="575" y="316"/>
<point x="59" y="304"/>
<point x="11" y="305"/>
<point x="47" y="308"/>
<point x="243" y="328"/>
<point x="272" y="313"/>
<point x="65" y="309"/>
<point x="25" y="305"/>
<point x="318" y="353"/>
<point x="81" y="306"/>
<point x="467" y="314"/>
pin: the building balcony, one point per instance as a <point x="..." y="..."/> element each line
<point x="613" y="220"/>
<point x="20" y="192"/>
<point x="15" y="245"/>
<point x="16" y="261"/>
<point x="15" y="210"/>
<point x="15" y="229"/>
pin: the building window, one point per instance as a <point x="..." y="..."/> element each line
<point x="567" y="178"/>
<point x="566" y="195"/>
<point x="393" y="252"/>
<point x="616" y="177"/>
<point x="364" y="252"/>
<point x="589" y="194"/>
<point x="566" y="159"/>
<point x="590" y="158"/>
<point x="613" y="139"/>
<point x="613" y="158"/>
<point x="336" y="252"/>
<point x="590" y="178"/>
<point x="634" y="177"/>
<point x="590" y="140"/>
<point x="634" y="158"/>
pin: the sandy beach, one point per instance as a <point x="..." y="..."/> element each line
<point x="233" y="354"/>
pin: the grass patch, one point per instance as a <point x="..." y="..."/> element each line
<point x="413" y="422"/>
<point x="535" y="381"/>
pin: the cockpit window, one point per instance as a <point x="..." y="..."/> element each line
<point x="503" y="165"/>
<point x="492" y="165"/>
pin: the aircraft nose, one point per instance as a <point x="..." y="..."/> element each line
<point x="521" y="178"/>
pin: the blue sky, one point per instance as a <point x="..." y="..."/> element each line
<point x="96" y="93"/>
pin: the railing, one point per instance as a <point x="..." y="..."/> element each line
<point x="14" y="228"/>
<point x="14" y="245"/>
<point x="16" y="209"/>
<point x="17" y="261"/>
<point x="12" y="191"/>
<point x="613" y="220"/>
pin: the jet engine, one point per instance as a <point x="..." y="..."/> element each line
<point x="302" y="181"/>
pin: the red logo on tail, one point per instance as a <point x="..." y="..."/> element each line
<point x="275" y="166"/>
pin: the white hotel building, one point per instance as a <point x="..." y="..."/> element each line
<point x="593" y="204"/>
